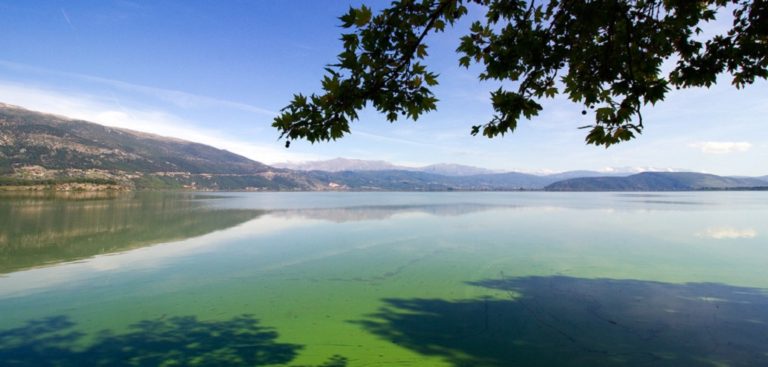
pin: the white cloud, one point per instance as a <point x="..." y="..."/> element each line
<point x="728" y="233"/>
<point x="388" y="139"/>
<point x="178" y="98"/>
<point x="98" y="110"/>
<point x="721" y="147"/>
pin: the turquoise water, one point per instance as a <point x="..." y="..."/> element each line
<point x="385" y="279"/>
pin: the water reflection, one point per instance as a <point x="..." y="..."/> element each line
<point x="309" y="264"/>
<point x="172" y="341"/>
<point x="721" y="233"/>
<point x="382" y="212"/>
<point x="43" y="229"/>
<point x="564" y="321"/>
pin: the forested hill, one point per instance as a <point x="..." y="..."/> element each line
<point x="657" y="181"/>
<point x="32" y="138"/>
<point x="44" y="148"/>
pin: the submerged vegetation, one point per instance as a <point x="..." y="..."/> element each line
<point x="566" y="321"/>
<point x="427" y="279"/>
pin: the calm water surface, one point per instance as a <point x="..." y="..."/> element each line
<point x="385" y="279"/>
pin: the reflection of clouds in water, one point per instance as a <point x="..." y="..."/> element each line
<point x="722" y="233"/>
<point x="385" y="212"/>
<point x="382" y="212"/>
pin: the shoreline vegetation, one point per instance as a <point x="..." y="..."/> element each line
<point x="37" y="178"/>
<point x="67" y="184"/>
<point x="11" y="185"/>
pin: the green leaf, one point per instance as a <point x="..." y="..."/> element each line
<point x="363" y="16"/>
<point x="421" y="51"/>
<point x="439" y="25"/>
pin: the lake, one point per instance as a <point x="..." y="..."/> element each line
<point x="384" y="279"/>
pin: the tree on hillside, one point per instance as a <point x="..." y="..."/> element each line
<point x="603" y="54"/>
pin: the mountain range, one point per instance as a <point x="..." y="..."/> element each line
<point x="657" y="181"/>
<point x="39" y="151"/>
<point x="345" y="164"/>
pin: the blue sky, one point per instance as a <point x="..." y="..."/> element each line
<point x="217" y="72"/>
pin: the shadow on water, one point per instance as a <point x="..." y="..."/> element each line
<point x="174" y="341"/>
<point x="564" y="321"/>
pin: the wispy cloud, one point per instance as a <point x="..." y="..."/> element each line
<point x="66" y="17"/>
<point x="721" y="147"/>
<point x="178" y="98"/>
<point x="111" y="113"/>
<point x="391" y="139"/>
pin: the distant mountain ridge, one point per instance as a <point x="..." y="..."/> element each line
<point x="398" y="180"/>
<point x="445" y="169"/>
<point x="452" y="169"/>
<point x="356" y="165"/>
<point x="656" y="181"/>
<point x="41" y="151"/>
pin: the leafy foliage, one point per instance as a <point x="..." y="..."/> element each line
<point x="606" y="55"/>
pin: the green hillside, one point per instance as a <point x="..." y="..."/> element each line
<point x="38" y="149"/>
<point x="656" y="181"/>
